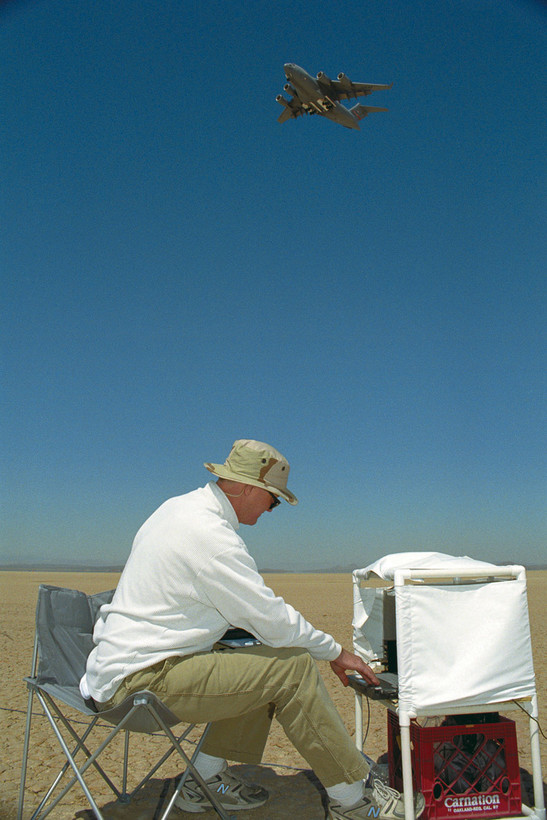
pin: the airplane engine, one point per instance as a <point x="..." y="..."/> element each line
<point x="345" y="82"/>
<point x="322" y="76"/>
<point x="289" y="89"/>
<point x="281" y="99"/>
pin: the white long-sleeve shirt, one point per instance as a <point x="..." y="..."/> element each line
<point x="188" y="578"/>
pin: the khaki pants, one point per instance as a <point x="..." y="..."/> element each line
<point x="240" y="690"/>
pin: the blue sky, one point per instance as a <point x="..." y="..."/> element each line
<point x="180" y="270"/>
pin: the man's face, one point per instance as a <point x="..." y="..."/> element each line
<point x="257" y="502"/>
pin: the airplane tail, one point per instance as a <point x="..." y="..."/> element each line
<point x="361" y="111"/>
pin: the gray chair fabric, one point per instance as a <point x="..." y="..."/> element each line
<point x="65" y="619"/>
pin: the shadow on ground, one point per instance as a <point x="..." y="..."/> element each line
<point x="527" y="787"/>
<point x="298" y="795"/>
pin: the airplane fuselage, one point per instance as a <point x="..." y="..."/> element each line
<point x="314" y="99"/>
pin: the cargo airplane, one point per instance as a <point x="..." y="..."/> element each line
<point x="321" y="95"/>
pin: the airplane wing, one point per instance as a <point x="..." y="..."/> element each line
<point x="345" y="92"/>
<point x="292" y="108"/>
<point x="343" y="88"/>
<point x="285" y="115"/>
<point x="361" y="111"/>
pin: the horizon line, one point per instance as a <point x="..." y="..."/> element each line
<point x="117" y="568"/>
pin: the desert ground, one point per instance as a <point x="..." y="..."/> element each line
<point x="326" y="600"/>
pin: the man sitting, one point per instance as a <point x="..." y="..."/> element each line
<point x="188" y="578"/>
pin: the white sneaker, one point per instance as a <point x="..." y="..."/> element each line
<point x="233" y="793"/>
<point x="379" y="802"/>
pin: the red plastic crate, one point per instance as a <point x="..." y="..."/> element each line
<point x="462" y="771"/>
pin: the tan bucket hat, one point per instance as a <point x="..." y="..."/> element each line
<point x="256" y="463"/>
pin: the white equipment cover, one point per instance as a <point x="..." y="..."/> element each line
<point x="458" y="644"/>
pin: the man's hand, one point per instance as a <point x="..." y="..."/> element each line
<point x="346" y="660"/>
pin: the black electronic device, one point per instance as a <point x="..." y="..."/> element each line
<point x="387" y="689"/>
<point x="235" y="638"/>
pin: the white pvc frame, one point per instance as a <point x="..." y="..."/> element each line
<point x="529" y="705"/>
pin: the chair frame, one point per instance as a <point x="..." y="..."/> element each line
<point x="143" y="712"/>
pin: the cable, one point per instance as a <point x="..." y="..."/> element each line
<point x="79" y="722"/>
<point x="368" y="722"/>
<point x="148" y="734"/>
<point x="535" y="719"/>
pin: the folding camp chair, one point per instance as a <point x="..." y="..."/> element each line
<point x="64" y="625"/>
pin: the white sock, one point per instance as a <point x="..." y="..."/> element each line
<point x="208" y="766"/>
<point x="346" y="793"/>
